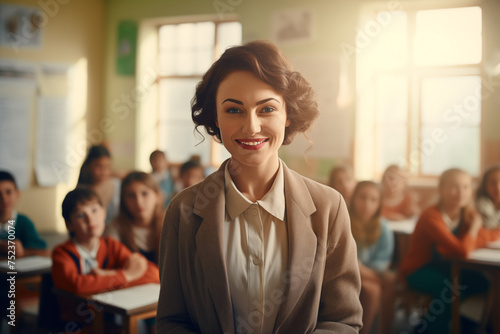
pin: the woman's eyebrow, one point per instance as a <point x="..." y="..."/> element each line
<point x="232" y="100"/>
<point x="258" y="102"/>
<point x="266" y="100"/>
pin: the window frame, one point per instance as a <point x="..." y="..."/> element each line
<point x="415" y="74"/>
<point x="215" y="146"/>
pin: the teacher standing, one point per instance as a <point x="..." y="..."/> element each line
<point x="256" y="247"/>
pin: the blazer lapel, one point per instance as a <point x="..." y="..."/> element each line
<point x="302" y="242"/>
<point x="210" y="206"/>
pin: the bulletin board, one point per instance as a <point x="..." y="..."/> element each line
<point x="34" y="96"/>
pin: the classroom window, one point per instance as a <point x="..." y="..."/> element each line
<point x="418" y="82"/>
<point x="186" y="51"/>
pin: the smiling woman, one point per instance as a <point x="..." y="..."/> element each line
<point x="255" y="247"/>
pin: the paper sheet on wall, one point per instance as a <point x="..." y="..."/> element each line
<point x="331" y="132"/>
<point x="17" y="96"/>
<point x="52" y="132"/>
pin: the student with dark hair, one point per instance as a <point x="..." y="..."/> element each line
<point x="256" y="247"/>
<point x="27" y="240"/>
<point x="96" y="173"/>
<point x="161" y="173"/>
<point x="190" y="173"/>
<point x="88" y="263"/>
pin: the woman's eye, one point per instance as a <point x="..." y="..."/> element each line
<point x="268" y="109"/>
<point x="79" y="215"/>
<point x="233" y="110"/>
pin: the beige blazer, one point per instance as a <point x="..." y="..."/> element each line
<point x="322" y="281"/>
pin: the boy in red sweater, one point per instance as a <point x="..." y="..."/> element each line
<point x="89" y="263"/>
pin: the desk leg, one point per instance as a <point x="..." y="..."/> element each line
<point x="496" y="304"/>
<point x="131" y="324"/>
<point x="98" y="323"/>
<point x="455" y="307"/>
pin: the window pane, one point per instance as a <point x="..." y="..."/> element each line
<point x="391" y="146"/>
<point x="181" y="141"/>
<point x="228" y="34"/>
<point x="451" y="101"/>
<point x="459" y="147"/>
<point x="392" y="43"/>
<point x="175" y="97"/>
<point x="448" y="36"/>
<point x="392" y="99"/>
<point x="186" y="49"/>
<point x="391" y="117"/>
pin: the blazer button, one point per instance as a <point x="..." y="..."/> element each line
<point x="256" y="261"/>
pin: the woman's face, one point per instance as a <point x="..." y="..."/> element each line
<point x="251" y="117"/>
<point x="493" y="187"/>
<point x="100" y="169"/>
<point x="366" y="202"/>
<point x="141" y="201"/>
<point x="456" y="191"/>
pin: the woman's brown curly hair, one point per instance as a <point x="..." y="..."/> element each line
<point x="265" y="61"/>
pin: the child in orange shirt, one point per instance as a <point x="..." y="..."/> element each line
<point x="399" y="203"/>
<point x="88" y="263"/>
<point x="139" y="222"/>
<point x="375" y="248"/>
<point x="452" y="228"/>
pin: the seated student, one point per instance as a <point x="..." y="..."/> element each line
<point x="161" y="174"/>
<point x="27" y="240"/>
<point x="190" y="173"/>
<point x="342" y="179"/>
<point x="88" y="263"/>
<point x="398" y="202"/>
<point x="452" y="228"/>
<point x="96" y="173"/>
<point x="488" y="197"/>
<point x="375" y="248"/>
<point x="139" y="222"/>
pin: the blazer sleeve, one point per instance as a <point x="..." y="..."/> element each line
<point x="172" y="314"/>
<point x="66" y="277"/>
<point x="340" y="309"/>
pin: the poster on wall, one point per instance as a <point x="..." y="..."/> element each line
<point x="126" y="48"/>
<point x="293" y="26"/>
<point x="17" y="97"/>
<point x="21" y="27"/>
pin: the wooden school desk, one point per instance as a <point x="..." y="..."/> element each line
<point x="134" y="304"/>
<point x="485" y="260"/>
